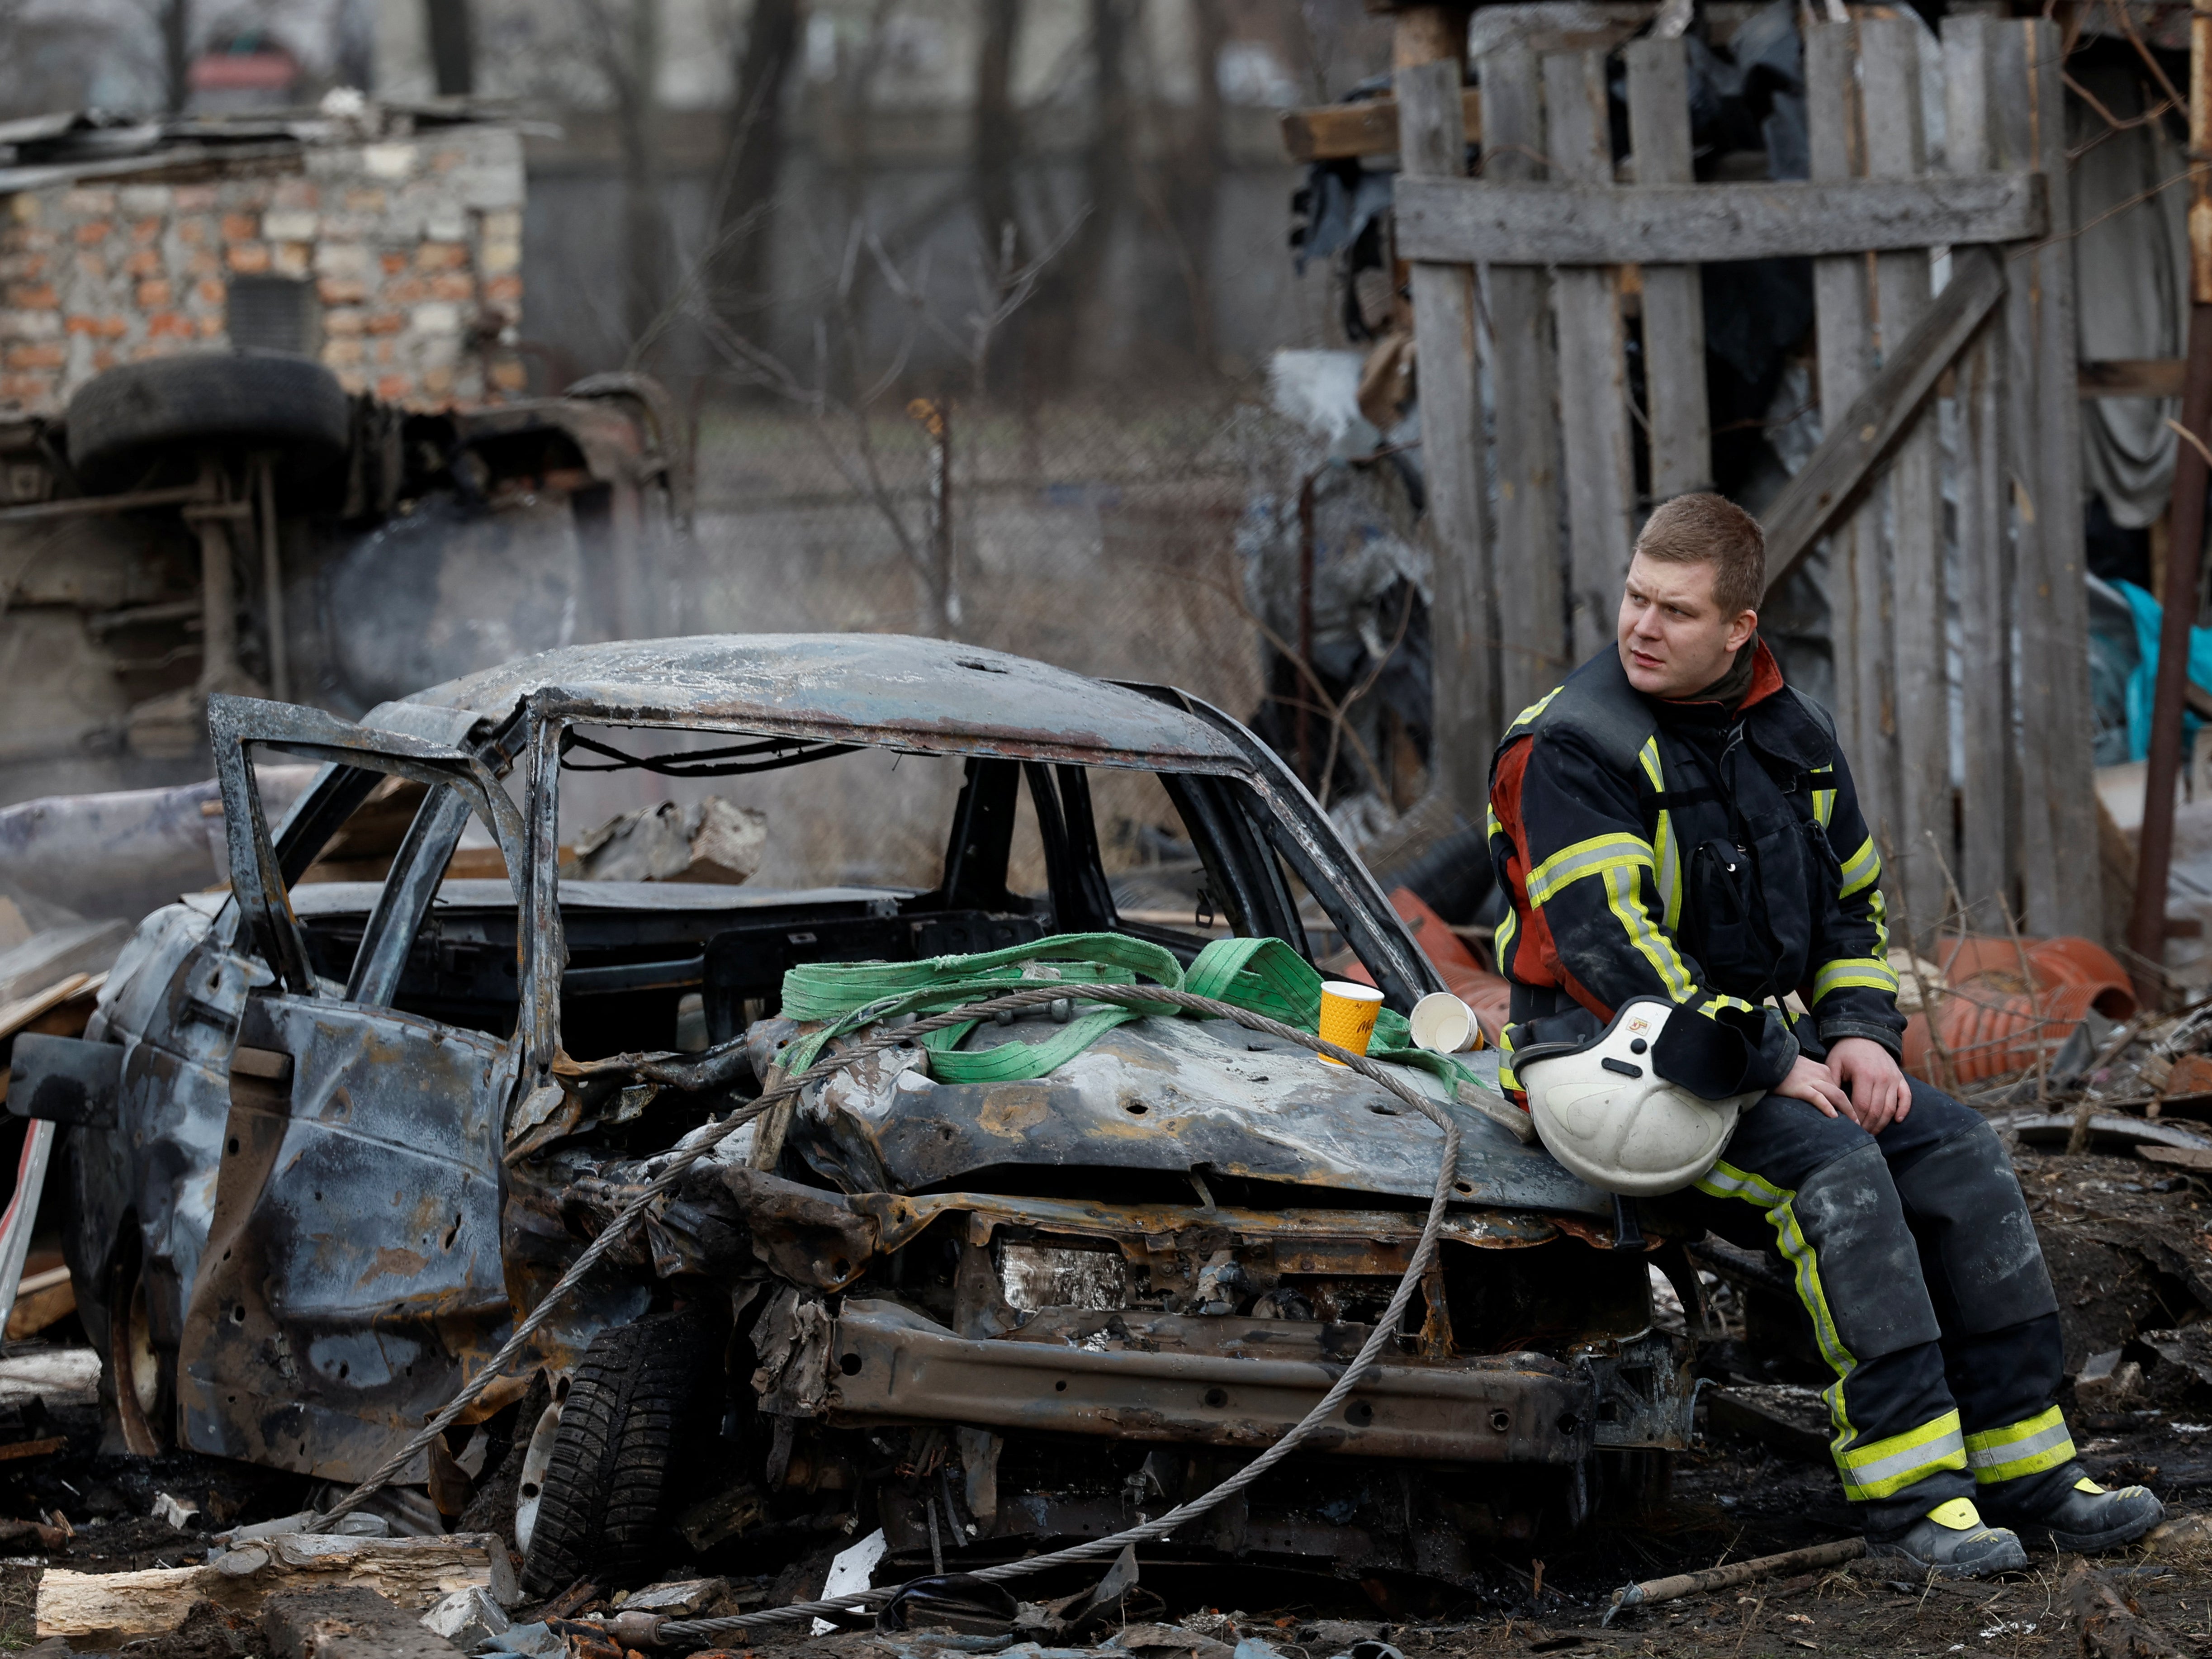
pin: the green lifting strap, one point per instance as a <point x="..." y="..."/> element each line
<point x="1263" y="974"/>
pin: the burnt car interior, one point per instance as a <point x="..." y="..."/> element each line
<point x="631" y="966"/>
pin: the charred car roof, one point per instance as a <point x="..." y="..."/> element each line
<point x="861" y="688"/>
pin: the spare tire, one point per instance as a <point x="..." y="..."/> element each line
<point x="257" y="399"/>
<point x="643" y="1397"/>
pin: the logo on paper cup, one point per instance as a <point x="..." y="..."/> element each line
<point x="1347" y="1015"/>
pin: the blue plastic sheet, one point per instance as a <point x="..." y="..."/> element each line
<point x="2142" y="683"/>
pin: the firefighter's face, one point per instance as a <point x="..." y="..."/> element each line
<point x="1675" y="638"/>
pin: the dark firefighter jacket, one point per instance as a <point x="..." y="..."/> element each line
<point x="1710" y="857"/>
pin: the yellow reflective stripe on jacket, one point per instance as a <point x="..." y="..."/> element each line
<point x="2041" y="1443"/>
<point x="1868" y="973"/>
<point x="1501" y="940"/>
<point x="1862" y="869"/>
<point x="1534" y="710"/>
<point x="1670" y="862"/>
<point x="1720" y="999"/>
<point x="1885" y="1468"/>
<point x="1653" y="945"/>
<point x="1506" y="1079"/>
<point x="1824" y="805"/>
<point x="1596" y="856"/>
<point x="1878" y="914"/>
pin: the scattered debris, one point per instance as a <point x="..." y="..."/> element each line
<point x="466" y="1616"/>
<point x="2108" y="1626"/>
<point x="74" y="947"/>
<point x="414" y="1572"/>
<point x="2106" y="1380"/>
<point x="1740" y="1572"/>
<point x="711" y="839"/>
<point x="1787" y="1418"/>
<point x="851" y="1572"/>
<point x="41" y="1299"/>
<point x="177" y="1514"/>
<point x="345" y="1621"/>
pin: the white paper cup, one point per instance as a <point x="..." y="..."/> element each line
<point x="1443" y="1025"/>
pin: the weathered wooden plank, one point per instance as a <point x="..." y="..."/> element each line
<point x="1596" y="456"/>
<point x="1861" y="437"/>
<point x="1922" y="843"/>
<point x="2054" y="631"/>
<point x="1607" y="224"/>
<point x="1988" y="796"/>
<point x="1844" y="341"/>
<point x="1339" y="133"/>
<point x="1464" y="685"/>
<point x="2130" y="377"/>
<point x="1526" y="560"/>
<point x="2032" y="864"/>
<point x="1673" y="295"/>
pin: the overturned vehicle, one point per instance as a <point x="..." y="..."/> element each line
<point x="329" y="1140"/>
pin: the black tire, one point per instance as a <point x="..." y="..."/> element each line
<point x="230" y="399"/>
<point x="642" y="1392"/>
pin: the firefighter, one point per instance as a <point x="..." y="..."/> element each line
<point x="1675" y="823"/>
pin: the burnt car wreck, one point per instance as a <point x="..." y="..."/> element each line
<point x="328" y="1142"/>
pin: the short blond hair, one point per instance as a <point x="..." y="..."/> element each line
<point x="1709" y="529"/>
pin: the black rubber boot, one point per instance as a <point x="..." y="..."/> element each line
<point x="2077" y="1515"/>
<point x="1951" y="1542"/>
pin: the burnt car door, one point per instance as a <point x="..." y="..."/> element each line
<point x="353" y="1271"/>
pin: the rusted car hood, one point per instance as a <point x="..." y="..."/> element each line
<point x="1165" y="1096"/>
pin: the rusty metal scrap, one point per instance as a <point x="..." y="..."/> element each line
<point x="891" y="1365"/>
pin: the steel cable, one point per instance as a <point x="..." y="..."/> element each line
<point x="645" y="1628"/>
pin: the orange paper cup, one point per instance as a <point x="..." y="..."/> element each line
<point x="1347" y="1015"/>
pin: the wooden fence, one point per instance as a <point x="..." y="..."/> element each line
<point x="1970" y="744"/>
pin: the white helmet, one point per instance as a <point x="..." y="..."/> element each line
<point x="1611" y="1110"/>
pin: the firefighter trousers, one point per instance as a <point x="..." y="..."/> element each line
<point x="1913" y="1253"/>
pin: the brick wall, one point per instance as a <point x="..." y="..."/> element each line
<point x="408" y="254"/>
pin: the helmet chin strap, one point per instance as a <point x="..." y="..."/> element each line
<point x="1626" y="1234"/>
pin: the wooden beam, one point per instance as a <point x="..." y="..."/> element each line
<point x="1338" y="132"/>
<point x="1466" y="723"/>
<point x="1567" y="224"/>
<point x="1831" y="479"/>
<point x="1597" y="451"/>
<point x="1532" y="654"/>
<point x="1680" y="423"/>
<point x="2053" y="623"/>
<point x="2130" y="377"/>
<point x="1858" y="576"/>
<point x="1989" y="804"/>
<point x="1920" y="844"/>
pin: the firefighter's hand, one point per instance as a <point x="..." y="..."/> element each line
<point x="1816" y="1085"/>
<point x="1879" y="1095"/>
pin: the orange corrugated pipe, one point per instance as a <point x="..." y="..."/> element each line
<point x="2051" y="963"/>
<point x="1988" y="1033"/>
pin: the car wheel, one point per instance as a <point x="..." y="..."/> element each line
<point x="135" y="1365"/>
<point x="643" y="1391"/>
<point x="537" y="1458"/>
<point x="261" y="399"/>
